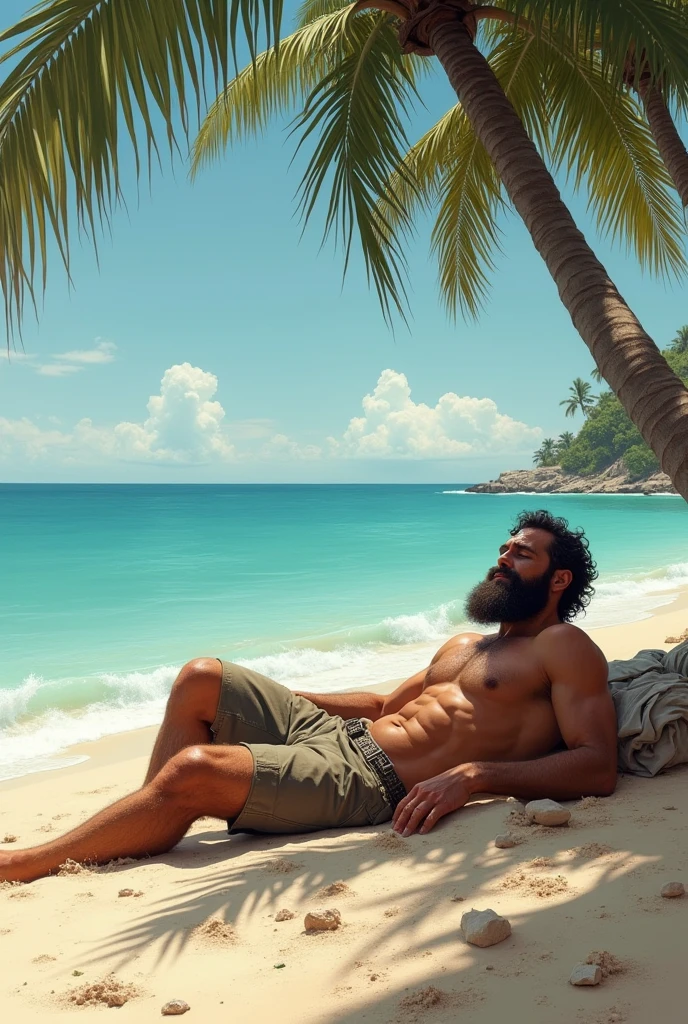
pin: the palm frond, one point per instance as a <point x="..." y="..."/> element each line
<point x="603" y="141"/>
<point x="79" y="71"/>
<point x="355" y="115"/>
<point x="450" y="169"/>
<point x="311" y="10"/>
<point x="466" y="234"/>
<point x="272" y="84"/>
<point x="615" y="28"/>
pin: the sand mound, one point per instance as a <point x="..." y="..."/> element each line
<point x="608" y="963"/>
<point x="72" y="867"/>
<point x="282" y="866"/>
<point x="591" y="850"/>
<point x="335" y="889"/>
<point x="44" y="958"/>
<point x="423" y="999"/>
<point x="390" y="842"/>
<point x="108" y="992"/>
<point x="541" y="862"/>
<point x="542" y="886"/>
<point x="216" y="932"/>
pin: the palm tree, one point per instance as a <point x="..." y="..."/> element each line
<point x="132" y="55"/>
<point x="653" y="92"/>
<point x="546" y="455"/>
<point x="680" y="342"/>
<point x="564" y="441"/>
<point x="596" y="375"/>
<point x="579" y="398"/>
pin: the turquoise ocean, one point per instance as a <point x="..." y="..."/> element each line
<point x="105" y="591"/>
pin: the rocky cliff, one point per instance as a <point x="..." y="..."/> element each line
<point x="552" y="480"/>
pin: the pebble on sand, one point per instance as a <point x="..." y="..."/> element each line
<point x="484" y="928"/>
<point x="586" y="974"/>
<point x="284" y="915"/>
<point x="547" y="812"/>
<point x="322" y="920"/>
<point x="673" y="889"/>
<point x="504" y="841"/>
<point x="174" y="1008"/>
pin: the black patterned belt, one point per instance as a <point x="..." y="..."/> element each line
<point x="375" y="756"/>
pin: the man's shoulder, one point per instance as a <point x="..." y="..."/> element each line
<point x="564" y="641"/>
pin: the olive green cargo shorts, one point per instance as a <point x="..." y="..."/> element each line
<point x="307" y="772"/>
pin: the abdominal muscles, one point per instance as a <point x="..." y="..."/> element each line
<point x="442" y="730"/>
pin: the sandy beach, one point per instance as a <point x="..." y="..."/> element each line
<point x="200" y="923"/>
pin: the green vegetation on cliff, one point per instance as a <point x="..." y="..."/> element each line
<point x="608" y="434"/>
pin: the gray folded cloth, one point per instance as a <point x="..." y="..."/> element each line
<point x="650" y="693"/>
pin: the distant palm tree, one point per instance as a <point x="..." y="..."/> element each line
<point x="564" y="441"/>
<point x="596" y="375"/>
<point x="579" y="398"/>
<point x="680" y="342"/>
<point x="546" y="455"/>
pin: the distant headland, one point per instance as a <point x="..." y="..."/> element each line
<point x="616" y="479"/>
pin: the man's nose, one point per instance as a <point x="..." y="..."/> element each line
<point x="505" y="560"/>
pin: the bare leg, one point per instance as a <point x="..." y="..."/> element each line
<point x="190" y="712"/>
<point x="198" y="781"/>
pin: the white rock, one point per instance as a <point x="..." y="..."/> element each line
<point x="322" y="920"/>
<point x="505" y="841"/>
<point x="174" y="1007"/>
<point x="586" y="974"/>
<point x="673" y="889"/>
<point x="484" y="927"/>
<point x="547" y="812"/>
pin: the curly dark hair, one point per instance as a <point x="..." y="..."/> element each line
<point x="569" y="550"/>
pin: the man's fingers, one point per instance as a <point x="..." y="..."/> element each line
<point x="419" y="812"/>
<point x="433" y="817"/>
<point x="404" y="808"/>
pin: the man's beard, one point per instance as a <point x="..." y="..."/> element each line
<point x="508" y="600"/>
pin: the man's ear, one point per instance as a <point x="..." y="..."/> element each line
<point x="561" y="579"/>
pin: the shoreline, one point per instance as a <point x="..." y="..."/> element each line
<point x="617" y="642"/>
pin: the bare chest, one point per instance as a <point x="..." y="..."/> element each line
<point x="505" y="670"/>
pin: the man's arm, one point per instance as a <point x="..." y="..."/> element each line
<point x="587" y="721"/>
<point x="374" y="705"/>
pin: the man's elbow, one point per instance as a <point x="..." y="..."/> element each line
<point x="604" y="781"/>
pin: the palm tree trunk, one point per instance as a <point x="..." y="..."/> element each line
<point x="669" y="142"/>
<point x="650" y="392"/>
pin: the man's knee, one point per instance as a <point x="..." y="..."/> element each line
<point x="196" y="690"/>
<point x="205" y="779"/>
<point x="183" y="777"/>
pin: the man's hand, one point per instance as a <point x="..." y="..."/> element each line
<point x="422" y="808"/>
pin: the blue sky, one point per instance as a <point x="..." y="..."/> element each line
<point x="214" y="343"/>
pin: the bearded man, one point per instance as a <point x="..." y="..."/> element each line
<point x="524" y="711"/>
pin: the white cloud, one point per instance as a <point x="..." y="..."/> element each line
<point x="56" y="369"/>
<point x="187" y="426"/>
<point x="282" y="447"/>
<point x="393" y="426"/>
<point x="183" y="427"/>
<point x="65" y="364"/>
<point x="12" y="356"/>
<point x="104" y="352"/>
<point x="26" y="438"/>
